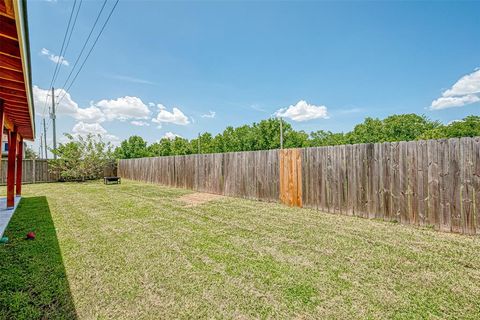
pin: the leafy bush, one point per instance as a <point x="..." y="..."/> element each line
<point x="81" y="158"/>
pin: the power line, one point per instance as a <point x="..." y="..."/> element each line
<point x="58" y="69"/>
<point x="89" y="52"/>
<point x="40" y="147"/>
<point x="45" y="139"/>
<point x="48" y="123"/>
<point x="45" y="105"/>
<point x="53" y="117"/>
<point x="64" y="53"/>
<point x="61" y="50"/>
<point x="85" y="44"/>
<point x="43" y="120"/>
<point x="93" y="46"/>
<point x="63" y="43"/>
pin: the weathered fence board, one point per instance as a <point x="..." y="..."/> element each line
<point x="428" y="183"/>
<point x="33" y="171"/>
<point x="435" y="182"/>
<point x="38" y="171"/>
<point x="251" y="175"/>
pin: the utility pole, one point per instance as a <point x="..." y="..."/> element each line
<point x="198" y="140"/>
<point x="53" y="116"/>
<point x="40" y="149"/>
<point x="281" y="134"/>
<point x="45" y="138"/>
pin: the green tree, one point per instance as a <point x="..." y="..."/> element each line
<point x="180" y="146"/>
<point x="407" y="127"/>
<point x="30" y="154"/>
<point x="370" y="131"/>
<point x="206" y="145"/>
<point x="242" y="139"/>
<point x="437" y="133"/>
<point x="133" y="147"/>
<point x="81" y="158"/>
<point x="402" y="127"/>
<point x="265" y="135"/>
<point x="218" y="144"/>
<point x="467" y="127"/>
<point x="296" y="139"/>
<point x="322" y="138"/>
<point x="161" y="148"/>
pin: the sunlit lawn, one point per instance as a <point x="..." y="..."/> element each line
<point x="136" y="251"/>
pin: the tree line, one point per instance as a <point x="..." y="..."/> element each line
<point x="265" y="135"/>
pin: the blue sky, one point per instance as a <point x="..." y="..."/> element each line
<point x="321" y="65"/>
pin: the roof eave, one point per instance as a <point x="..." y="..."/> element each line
<point x="21" y="20"/>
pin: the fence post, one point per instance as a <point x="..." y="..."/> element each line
<point x="34" y="171"/>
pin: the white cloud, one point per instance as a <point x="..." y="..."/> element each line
<point x="303" y="111"/>
<point x="468" y="84"/>
<point x="210" y="114"/>
<point x="54" y="58"/>
<point x="450" y="102"/>
<point x="175" y="117"/>
<point x="124" y="108"/>
<point x="42" y="98"/>
<point x="140" y="123"/>
<point x="83" y="129"/>
<point x="170" y="135"/>
<point x="465" y="91"/>
<point x="87" y="128"/>
<point x="91" y="114"/>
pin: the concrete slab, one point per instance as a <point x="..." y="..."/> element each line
<point x="6" y="214"/>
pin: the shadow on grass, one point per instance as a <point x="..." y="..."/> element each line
<point x="33" y="281"/>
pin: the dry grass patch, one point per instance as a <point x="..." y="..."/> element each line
<point x="198" y="198"/>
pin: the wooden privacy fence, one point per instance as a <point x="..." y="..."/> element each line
<point x="428" y="183"/>
<point x="252" y="175"/>
<point x="37" y="171"/>
<point x="33" y="171"/>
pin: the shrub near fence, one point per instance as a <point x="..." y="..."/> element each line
<point x="428" y="183"/>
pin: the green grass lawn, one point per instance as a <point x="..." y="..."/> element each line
<point x="136" y="251"/>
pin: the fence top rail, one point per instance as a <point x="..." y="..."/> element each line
<point x="206" y="154"/>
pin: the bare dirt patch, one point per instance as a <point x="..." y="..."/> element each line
<point x="195" y="199"/>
